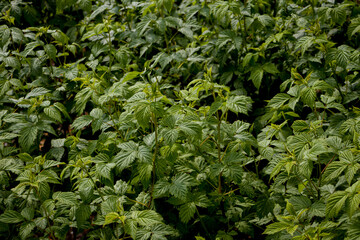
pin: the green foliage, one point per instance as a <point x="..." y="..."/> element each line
<point x="170" y="119"/>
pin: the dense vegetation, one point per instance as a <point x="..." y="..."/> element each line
<point x="169" y="119"/>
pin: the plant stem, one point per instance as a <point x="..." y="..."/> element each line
<point x="47" y="215"/>
<point x="218" y="143"/>
<point x="202" y="223"/>
<point x="93" y="182"/>
<point x="155" y="123"/>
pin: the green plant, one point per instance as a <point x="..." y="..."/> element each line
<point x="171" y="119"/>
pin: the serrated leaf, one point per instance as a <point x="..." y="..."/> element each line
<point x="180" y="184"/>
<point x="27" y="137"/>
<point x="12" y="62"/>
<point x="170" y="135"/>
<point x="239" y="104"/>
<point x="82" y="122"/>
<point x="279" y="100"/>
<point x="270" y="68"/>
<point x="40" y="91"/>
<point x="305" y="43"/>
<point x="124" y="159"/>
<point x="256" y="76"/>
<point x="86" y="189"/>
<point x="68" y="198"/>
<point x="44" y="190"/>
<point x="99" y="10"/>
<point x="53" y="113"/>
<point x="335" y="203"/>
<point x="146" y="217"/>
<point x="187" y="211"/>
<point x="111" y="218"/>
<point x="308" y="96"/>
<point x="333" y="171"/>
<point x="104" y="169"/>
<point x="300" y="202"/>
<point x="129" y="76"/>
<point x="276" y="227"/>
<point x="191" y="129"/>
<point x="143" y="114"/>
<point x="25" y="229"/>
<point x="300" y="126"/>
<point x="50" y="51"/>
<point x="11" y="216"/>
<point x="62" y="109"/>
<point x="7" y="136"/>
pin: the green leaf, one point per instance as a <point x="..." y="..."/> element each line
<point x="143" y="114"/>
<point x="129" y="76"/>
<point x="340" y="55"/>
<point x="124" y="159"/>
<point x="191" y="129"/>
<point x="354" y="204"/>
<point x="299" y="143"/>
<point x="7" y="136"/>
<point x="40" y="91"/>
<point x="44" y="190"/>
<point x="11" y="216"/>
<point x="305" y="43"/>
<point x="27" y="137"/>
<point x="180" y="184"/>
<point x="67" y="198"/>
<point x="187" y="211"/>
<point x="338" y="14"/>
<point x="239" y="104"/>
<point x="170" y="135"/>
<point x="28" y="213"/>
<point x="82" y="215"/>
<point x="131" y="228"/>
<point x="333" y="171"/>
<point x="279" y="100"/>
<point x="276" y="227"/>
<point x="50" y="51"/>
<point x="82" y="122"/>
<point x="86" y="190"/>
<point x="300" y="126"/>
<point x="53" y="113"/>
<point x="25" y="157"/>
<point x="62" y="109"/>
<point x="270" y="68"/>
<point x="146" y="217"/>
<point x="300" y="202"/>
<point x="354" y="27"/>
<point x="25" y="229"/>
<point x="265" y="20"/>
<point x="99" y="10"/>
<point x="111" y="217"/>
<point x="168" y="4"/>
<point x="12" y="62"/>
<point x="308" y="96"/>
<point x="60" y="37"/>
<point x="256" y="76"/>
<point x="156" y="231"/>
<point x="317" y="209"/>
<point x="104" y="169"/>
<point x="335" y="203"/>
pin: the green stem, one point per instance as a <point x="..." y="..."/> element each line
<point x="110" y="48"/>
<point x="218" y="143"/>
<point x="202" y="223"/>
<point x="92" y="181"/>
<point x="113" y="121"/>
<point x="154" y="161"/>
<point x="47" y="215"/>
<point x="155" y="123"/>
